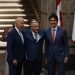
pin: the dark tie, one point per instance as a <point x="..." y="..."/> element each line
<point x="21" y="36"/>
<point x="53" y="34"/>
<point x="36" y="37"/>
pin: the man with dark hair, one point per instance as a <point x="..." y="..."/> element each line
<point x="56" y="50"/>
<point x="53" y="15"/>
<point x="34" y="43"/>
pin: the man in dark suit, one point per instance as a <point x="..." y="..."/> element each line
<point x="34" y="37"/>
<point x="56" y="51"/>
<point x="15" y="48"/>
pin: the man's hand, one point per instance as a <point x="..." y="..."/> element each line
<point x="46" y="61"/>
<point x="15" y="62"/>
<point x="66" y="60"/>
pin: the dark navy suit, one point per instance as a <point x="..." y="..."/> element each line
<point x="56" y="51"/>
<point x="15" y="50"/>
<point x="34" y="52"/>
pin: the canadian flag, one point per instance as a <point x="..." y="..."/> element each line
<point x="73" y="32"/>
<point x="58" y="12"/>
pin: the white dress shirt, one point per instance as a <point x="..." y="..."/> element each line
<point x="38" y="36"/>
<point x="54" y="31"/>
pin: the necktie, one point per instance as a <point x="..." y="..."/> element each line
<point x="36" y="37"/>
<point x="53" y="34"/>
<point x="21" y="36"/>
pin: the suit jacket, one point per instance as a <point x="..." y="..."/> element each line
<point x="33" y="48"/>
<point x="15" y="47"/>
<point x="59" y="48"/>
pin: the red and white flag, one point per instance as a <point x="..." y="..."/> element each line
<point x="58" y="12"/>
<point x="73" y="32"/>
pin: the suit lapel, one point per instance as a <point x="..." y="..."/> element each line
<point x="31" y="35"/>
<point x="40" y="35"/>
<point x="18" y="36"/>
<point x="57" y="33"/>
<point x="49" y="34"/>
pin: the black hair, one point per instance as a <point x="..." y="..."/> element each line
<point x="53" y="15"/>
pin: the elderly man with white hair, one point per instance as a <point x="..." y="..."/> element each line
<point x="16" y="48"/>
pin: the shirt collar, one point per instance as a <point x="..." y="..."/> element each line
<point x="55" y="28"/>
<point x="32" y="32"/>
<point x="17" y="29"/>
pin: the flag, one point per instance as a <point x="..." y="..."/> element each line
<point x="73" y="32"/>
<point x="58" y="12"/>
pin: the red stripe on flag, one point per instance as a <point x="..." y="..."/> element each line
<point x="57" y="2"/>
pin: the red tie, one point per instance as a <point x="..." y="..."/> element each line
<point x="53" y="34"/>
